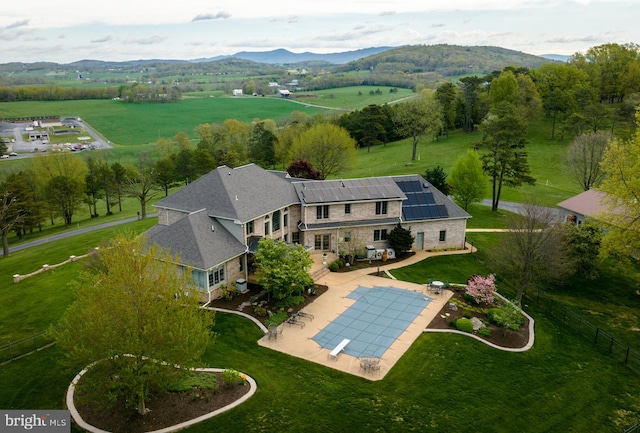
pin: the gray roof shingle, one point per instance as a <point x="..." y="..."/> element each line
<point x="241" y="193"/>
<point x="200" y="241"/>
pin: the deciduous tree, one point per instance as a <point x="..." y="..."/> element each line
<point x="138" y="316"/>
<point x="283" y="269"/>
<point x="533" y="252"/>
<point x="10" y="217"/>
<point x="621" y="165"/>
<point x="303" y="170"/>
<point x="141" y="183"/>
<point x="584" y="156"/>
<point x="468" y="181"/>
<point x="63" y="178"/>
<point x="328" y="147"/>
<point x="418" y="117"/>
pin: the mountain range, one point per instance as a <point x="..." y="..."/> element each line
<point x="284" y="57"/>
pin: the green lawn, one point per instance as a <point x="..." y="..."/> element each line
<point x="443" y="382"/>
<point x="563" y="384"/>
<point x="32" y="304"/>
<point x="545" y="156"/>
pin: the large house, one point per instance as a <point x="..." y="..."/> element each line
<point x="215" y="223"/>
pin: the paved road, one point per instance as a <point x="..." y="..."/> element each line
<point x="74" y="233"/>
<point x="517" y="208"/>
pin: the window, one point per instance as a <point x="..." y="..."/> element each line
<point x="285" y="217"/>
<point x="216" y="276"/>
<point x="347" y="208"/>
<point x="347" y="236"/>
<point x="241" y="263"/>
<point x="381" y="208"/>
<point x="295" y="237"/>
<point x="276" y="221"/>
<point x="198" y="278"/>
<point x="443" y="235"/>
<point x="249" y="227"/>
<point x="380" y="235"/>
<point x="322" y="212"/>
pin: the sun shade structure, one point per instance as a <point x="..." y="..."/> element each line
<point x="378" y="317"/>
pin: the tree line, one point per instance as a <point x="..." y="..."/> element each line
<point x="133" y="92"/>
<point x="57" y="185"/>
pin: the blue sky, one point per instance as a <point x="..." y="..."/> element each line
<point x="119" y="30"/>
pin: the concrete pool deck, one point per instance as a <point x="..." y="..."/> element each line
<point x="298" y="341"/>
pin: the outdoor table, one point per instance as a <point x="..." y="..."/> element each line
<point x="437" y="285"/>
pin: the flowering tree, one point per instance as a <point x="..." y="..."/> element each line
<point x="481" y="289"/>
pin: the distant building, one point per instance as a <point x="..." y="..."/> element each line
<point x="50" y="122"/>
<point x="582" y="206"/>
<point x="284" y="93"/>
<point x="237" y="92"/>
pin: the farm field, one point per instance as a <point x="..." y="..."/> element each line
<point x="129" y="124"/>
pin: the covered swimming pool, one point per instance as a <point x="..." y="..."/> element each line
<point x="374" y="322"/>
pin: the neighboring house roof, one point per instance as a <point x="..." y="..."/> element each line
<point x="199" y="239"/>
<point x="242" y="193"/>
<point x="424" y="201"/>
<point x="588" y="203"/>
<point x="349" y="190"/>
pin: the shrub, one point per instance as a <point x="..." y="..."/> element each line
<point x="230" y="377"/>
<point x="260" y="311"/>
<point x="452" y="323"/>
<point x="276" y="319"/>
<point x="465" y="325"/>
<point x="290" y="301"/>
<point x="481" y="289"/>
<point x="495" y="315"/>
<point x="486" y="332"/>
<point x="334" y="266"/>
<point x="508" y="315"/>
<point x="467" y="314"/>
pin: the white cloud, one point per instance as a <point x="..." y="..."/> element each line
<point x="194" y="28"/>
<point x="212" y="16"/>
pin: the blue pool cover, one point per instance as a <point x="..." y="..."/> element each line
<point x="379" y="316"/>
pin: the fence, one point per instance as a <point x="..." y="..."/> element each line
<point x="633" y="429"/>
<point x="16" y="349"/>
<point x="601" y="339"/>
<point x="17" y="277"/>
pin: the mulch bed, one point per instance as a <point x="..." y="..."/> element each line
<point x="241" y="302"/>
<point x="510" y="339"/>
<point x="166" y="409"/>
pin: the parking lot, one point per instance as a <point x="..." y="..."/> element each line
<point x="18" y="147"/>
